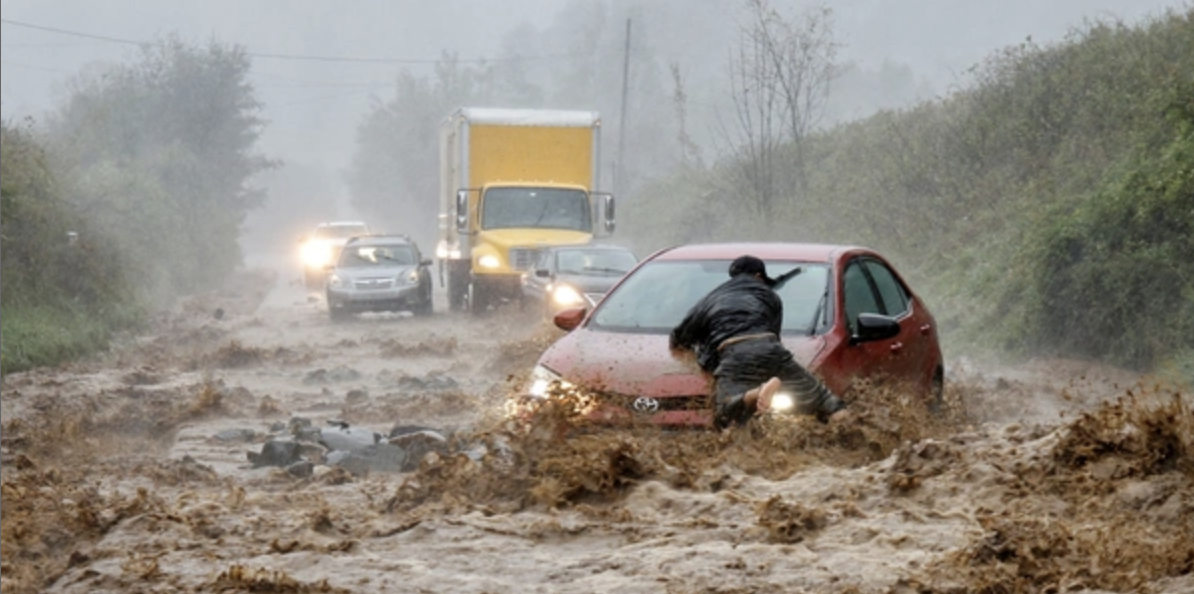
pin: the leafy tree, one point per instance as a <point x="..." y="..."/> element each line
<point x="162" y="151"/>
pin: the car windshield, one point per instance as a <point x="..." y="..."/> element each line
<point x="340" y="231"/>
<point x="594" y="262"/>
<point x="361" y="256"/>
<point x="657" y="296"/>
<point x="537" y="208"/>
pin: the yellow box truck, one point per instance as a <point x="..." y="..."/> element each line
<point x="513" y="181"/>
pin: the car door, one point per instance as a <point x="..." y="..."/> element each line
<point x="911" y="350"/>
<point x="875" y="359"/>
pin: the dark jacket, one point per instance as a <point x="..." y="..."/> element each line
<point x="740" y="306"/>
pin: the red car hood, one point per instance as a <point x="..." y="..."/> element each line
<point x="640" y="364"/>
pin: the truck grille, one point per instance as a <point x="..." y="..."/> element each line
<point x="522" y="258"/>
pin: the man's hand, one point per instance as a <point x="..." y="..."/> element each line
<point x="682" y="354"/>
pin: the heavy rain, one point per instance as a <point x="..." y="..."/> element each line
<point x="287" y="294"/>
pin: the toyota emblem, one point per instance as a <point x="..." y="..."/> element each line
<point x="644" y="404"/>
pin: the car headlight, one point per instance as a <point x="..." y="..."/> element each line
<point x="316" y="255"/>
<point x="335" y="282"/>
<point x="489" y="261"/>
<point x="541" y="379"/>
<point x="782" y="402"/>
<point x="566" y="296"/>
<point x="411" y="277"/>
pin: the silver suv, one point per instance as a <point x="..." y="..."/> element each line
<point x="379" y="273"/>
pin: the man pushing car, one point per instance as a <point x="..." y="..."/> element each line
<point x="734" y="332"/>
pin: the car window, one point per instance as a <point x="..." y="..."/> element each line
<point x="895" y="298"/>
<point x="858" y="293"/>
<point x="359" y="256"/>
<point x="657" y="296"/>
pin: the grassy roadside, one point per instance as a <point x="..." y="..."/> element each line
<point x="46" y="334"/>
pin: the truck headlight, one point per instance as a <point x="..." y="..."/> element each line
<point x="782" y="402"/>
<point x="541" y="379"/>
<point x="567" y="296"/>
<point x="489" y="261"/>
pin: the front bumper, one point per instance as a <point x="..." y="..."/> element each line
<point x="383" y="299"/>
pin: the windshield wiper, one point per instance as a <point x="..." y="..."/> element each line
<point x="606" y="270"/>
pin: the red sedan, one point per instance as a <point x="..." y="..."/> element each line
<point x="847" y="315"/>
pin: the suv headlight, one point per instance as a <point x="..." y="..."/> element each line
<point x="411" y="277"/>
<point x="541" y="379"/>
<point x="334" y="281"/>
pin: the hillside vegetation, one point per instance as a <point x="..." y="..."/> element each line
<point x="147" y="164"/>
<point x="1046" y="208"/>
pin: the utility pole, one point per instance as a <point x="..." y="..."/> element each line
<point x="619" y="167"/>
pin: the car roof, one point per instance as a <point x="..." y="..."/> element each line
<point x="382" y="239"/>
<point x="806" y="252"/>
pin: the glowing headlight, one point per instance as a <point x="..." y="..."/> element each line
<point x="542" y="379"/>
<point x="316" y="255"/>
<point x="334" y="281"/>
<point x="566" y="296"/>
<point x="411" y="277"/>
<point x="489" y="261"/>
<point x="782" y="402"/>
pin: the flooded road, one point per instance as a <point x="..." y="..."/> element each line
<point x="133" y="473"/>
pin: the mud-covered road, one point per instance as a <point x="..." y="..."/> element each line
<point x="132" y="473"/>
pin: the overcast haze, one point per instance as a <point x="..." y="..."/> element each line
<point x="313" y="107"/>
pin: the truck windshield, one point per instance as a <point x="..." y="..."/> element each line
<point x="536" y="208"/>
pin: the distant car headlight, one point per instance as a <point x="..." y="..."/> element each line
<point x="541" y="379"/>
<point x="782" y="402"/>
<point x="335" y="282"/>
<point x="411" y="277"/>
<point x="489" y="261"/>
<point x="316" y="255"/>
<point x="567" y="296"/>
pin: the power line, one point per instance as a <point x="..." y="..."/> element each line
<point x="299" y="57"/>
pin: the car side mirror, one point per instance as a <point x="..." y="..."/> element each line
<point x="543" y="273"/>
<point x="569" y="319"/>
<point x="872" y="327"/>
<point x="462" y="211"/>
<point x="425" y="262"/>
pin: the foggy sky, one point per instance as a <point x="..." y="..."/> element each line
<point x="313" y="107"/>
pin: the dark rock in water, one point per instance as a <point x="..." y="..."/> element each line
<point x="418" y="444"/>
<point x="339" y="373"/>
<point x="316" y="376"/>
<point x="379" y="457"/>
<point x="278" y="427"/>
<point x="235" y="435"/>
<point x="357" y="396"/>
<point x="343" y="437"/>
<point x="276" y="453"/>
<point x="301" y="469"/>
<point x="403" y="429"/>
<point x="218" y="313"/>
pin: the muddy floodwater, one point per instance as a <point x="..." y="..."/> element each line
<point x="132" y="472"/>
